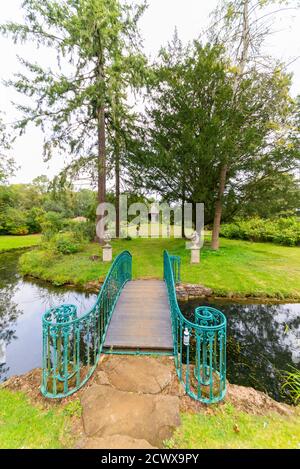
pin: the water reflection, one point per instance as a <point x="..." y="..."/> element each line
<point x="263" y="340"/>
<point x="22" y="304"/>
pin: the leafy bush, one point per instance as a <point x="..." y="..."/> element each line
<point x="34" y="216"/>
<point x="13" y="221"/>
<point x="65" y="243"/>
<point x="51" y="224"/>
<point x="285" y="231"/>
<point x="85" y="230"/>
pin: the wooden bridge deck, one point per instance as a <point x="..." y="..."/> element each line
<point x="141" y="319"/>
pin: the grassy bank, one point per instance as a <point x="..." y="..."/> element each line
<point x="8" y="243"/>
<point x="239" y="268"/>
<point x="229" y="428"/>
<point x="23" y="425"/>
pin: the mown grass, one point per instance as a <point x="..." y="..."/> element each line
<point x="228" y="428"/>
<point x="7" y="243"/>
<point x="23" y="425"/>
<point x="239" y="268"/>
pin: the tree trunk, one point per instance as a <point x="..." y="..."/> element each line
<point x="101" y="167"/>
<point x="182" y="214"/>
<point x="242" y="61"/>
<point x="117" y="176"/>
<point x="218" y="208"/>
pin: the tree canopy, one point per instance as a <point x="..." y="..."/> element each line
<point x="219" y="125"/>
<point x="193" y="125"/>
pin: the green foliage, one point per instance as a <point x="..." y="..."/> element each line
<point x="38" y="207"/>
<point x="23" y="425"/>
<point x="51" y="223"/>
<point x="285" y="231"/>
<point x="282" y="191"/>
<point x="61" y="236"/>
<point x="34" y="217"/>
<point x="84" y="201"/>
<point x="98" y="49"/>
<point x="65" y="243"/>
<point x="291" y="385"/>
<point x="13" y="221"/>
<point x="85" y="230"/>
<point x="226" y="427"/>
<point x="196" y="122"/>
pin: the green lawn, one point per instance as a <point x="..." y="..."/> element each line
<point x="239" y="268"/>
<point x="23" y="425"/>
<point x="228" y="428"/>
<point x="7" y="243"/>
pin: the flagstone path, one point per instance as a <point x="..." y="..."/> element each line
<point x="128" y="404"/>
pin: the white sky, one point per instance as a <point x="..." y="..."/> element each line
<point x="157" y="27"/>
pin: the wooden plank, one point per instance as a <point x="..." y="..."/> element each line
<point x="141" y="319"/>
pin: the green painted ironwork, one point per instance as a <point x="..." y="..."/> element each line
<point x="199" y="346"/>
<point x="72" y="345"/>
<point x="176" y="264"/>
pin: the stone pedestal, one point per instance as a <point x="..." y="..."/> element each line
<point x="195" y="255"/>
<point x="107" y="253"/>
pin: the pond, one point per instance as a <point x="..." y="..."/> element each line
<point x="22" y="304"/>
<point x="262" y="341"/>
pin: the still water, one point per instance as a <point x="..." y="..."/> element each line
<point x="22" y="304"/>
<point x="263" y="339"/>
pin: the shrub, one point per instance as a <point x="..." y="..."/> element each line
<point x="65" y="243"/>
<point x="34" y="216"/>
<point x="285" y="231"/>
<point x="51" y="224"/>
<point x="85" y="230"/>
<point x="13" y="221"/>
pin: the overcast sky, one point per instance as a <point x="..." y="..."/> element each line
<point x="157" y="27"/>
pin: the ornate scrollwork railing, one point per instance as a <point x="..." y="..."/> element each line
<point x="72" y="345"/>
<point x="199" y="346"/>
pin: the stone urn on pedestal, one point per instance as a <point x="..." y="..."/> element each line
<point x="107" y="249"/>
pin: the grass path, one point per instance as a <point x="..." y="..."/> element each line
<point x="239" y="268"/>
<point x="8" y="243"/>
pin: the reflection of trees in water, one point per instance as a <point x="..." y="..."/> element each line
<point x="45" y="297"/>
<point x="260" y="343"/>
<point x="9" y="311"/>
<point x="50" y="296"/>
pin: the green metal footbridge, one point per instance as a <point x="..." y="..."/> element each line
<point x="135" y="317"/>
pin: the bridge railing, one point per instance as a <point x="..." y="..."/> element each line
<point x="176" y="265"/>
<point x="72" y="345"/>
<point x="199" y="346"/>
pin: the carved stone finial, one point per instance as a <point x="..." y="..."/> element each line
<point x="107" y="239"/>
